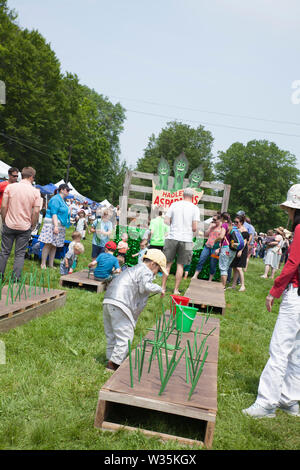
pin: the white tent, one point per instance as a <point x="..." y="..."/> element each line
<point x="105" y="203"/>
<point x="4" y="170"/>
<point x="73" y="191"/>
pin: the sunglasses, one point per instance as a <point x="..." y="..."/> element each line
<point x="236" y="222"/>
<point x="14" y="176"/>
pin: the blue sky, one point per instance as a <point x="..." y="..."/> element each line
<point x="219" y="63"/>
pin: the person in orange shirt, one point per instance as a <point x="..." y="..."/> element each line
<point x="12" y="178"/>
<point x="20" y="211"/>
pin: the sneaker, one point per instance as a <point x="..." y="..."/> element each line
<point x="292" y="410"/>
<point x="111" y="366"/>
<point x="257" y="411"/>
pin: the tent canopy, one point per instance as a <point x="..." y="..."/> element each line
<point x="4" y="170"/>
<point x="105" y="203"/>
<point x="47" y="188"/>
<point x="74" y="193"/>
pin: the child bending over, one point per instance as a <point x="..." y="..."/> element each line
<point x="69" y="258"/>
<point x="123" y="302"/>
<point x="106" y="264"/>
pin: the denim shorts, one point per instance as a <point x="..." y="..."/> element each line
<point x="226" y="257"/>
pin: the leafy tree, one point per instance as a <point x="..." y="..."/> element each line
<point x="175" y="138"/>
<point x="260" y="175"/>
<point x="49" y="116"/>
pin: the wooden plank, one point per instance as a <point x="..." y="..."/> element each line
<point x="204" y="184"/>
<point x="81" y="279"/>
<point x="226" y="195"/>
<point x="209" y="212"/>
<point x="126" y="185"/>
<point x="208" y="198"/>
<point x="34" y="310"/>
<point x="106" y="425"/>
<point x="143" y="175"/>
<point x="143" y="202"/>
<point x="140" y="189"/>
<point x="206" y="293"/>
<point x="174" y="399"/>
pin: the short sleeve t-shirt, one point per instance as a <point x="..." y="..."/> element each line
<point x="3" y="185"/>
<point x="251" y="231"/>
<point x="21" y="197"/>
<point x="159" y="229"/>
<point x="105" y="264"/>
<point x="182" y="214"/>
<point x="106" y="226"/>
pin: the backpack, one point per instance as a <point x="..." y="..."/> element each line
<point x="236" y="240"/>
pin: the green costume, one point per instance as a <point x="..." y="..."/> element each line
<point x="181" y="166"/>
<point x="163" y="173"/>
<point x="196" y="178"/>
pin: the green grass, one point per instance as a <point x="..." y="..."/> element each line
<point x="55" y="367"/>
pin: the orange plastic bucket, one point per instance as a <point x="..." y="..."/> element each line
<point x="178" y="299"/>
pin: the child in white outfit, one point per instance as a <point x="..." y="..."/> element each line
<point x="123" y="302"/>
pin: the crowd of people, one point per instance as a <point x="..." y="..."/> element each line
<point x="230" y="244"/>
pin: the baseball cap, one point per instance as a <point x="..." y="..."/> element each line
<point x="240" y="213"/>
<point x="111" y="246"/>
<point x="158" y="257"/>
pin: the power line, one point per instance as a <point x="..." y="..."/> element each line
<point x="17" y="141"/>
<point x="208" y="111"/>
<point x="212" y="124"/>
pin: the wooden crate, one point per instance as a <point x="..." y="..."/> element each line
<point x="207" y="294"/>
<point x="174" y="400"/>
<point x="81" y="280"/>
<point x="25" y="309"/>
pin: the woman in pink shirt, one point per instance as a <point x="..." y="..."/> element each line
<point x="279" y="385"/>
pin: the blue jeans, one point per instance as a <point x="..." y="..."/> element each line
<point x="206" y="252"/>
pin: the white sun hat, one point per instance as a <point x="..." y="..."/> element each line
<point x="293" y="198"/>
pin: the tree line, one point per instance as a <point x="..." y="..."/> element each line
<point x="50" y="120"/>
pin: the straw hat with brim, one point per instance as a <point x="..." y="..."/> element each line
<point x="293" y="198"/>
<point x="279" y="230"/>
<point x="287" y="233"/>
<point x="158" y="257"/>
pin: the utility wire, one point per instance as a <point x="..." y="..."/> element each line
<point x="13" y="139"/>
<point x="209" y="112"/>
<point x="212" y="124"/>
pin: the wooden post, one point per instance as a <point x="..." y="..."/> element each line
<point x="226" y="195"/>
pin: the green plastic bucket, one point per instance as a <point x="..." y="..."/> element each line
<point x="184" y="318"/>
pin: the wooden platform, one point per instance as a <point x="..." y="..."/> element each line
<point x="207" y="294"/>
<point x="24" y="310"/>
<point x="200" y="410"/>
<point x="81" y="280"/>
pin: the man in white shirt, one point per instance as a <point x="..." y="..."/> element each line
<point x="183" y="217"/>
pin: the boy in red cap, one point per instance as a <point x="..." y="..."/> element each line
<point x="106" y="264"/>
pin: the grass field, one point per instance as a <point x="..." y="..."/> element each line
<point x="55" y="367"/>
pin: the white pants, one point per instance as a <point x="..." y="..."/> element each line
<point x="280" y="379"/>
<point x="118" y="330"/>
